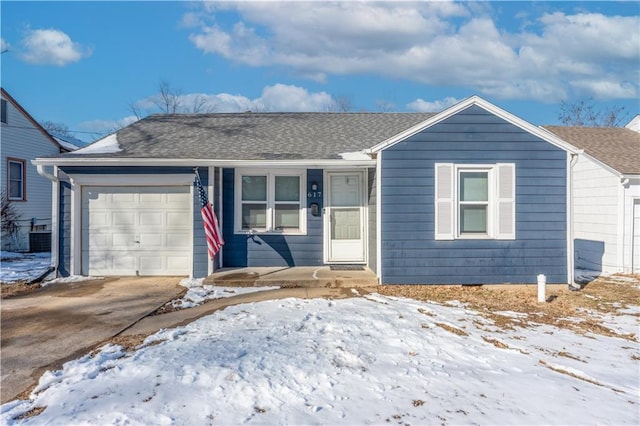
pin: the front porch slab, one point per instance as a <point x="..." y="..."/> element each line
<point x="287" y="277"/>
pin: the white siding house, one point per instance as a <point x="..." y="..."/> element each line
<point x="605" y="198"/>
<point x="23" y="139"/>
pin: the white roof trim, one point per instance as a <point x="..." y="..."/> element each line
<point x="488" y="106"/>
<point x="150" y="162"/>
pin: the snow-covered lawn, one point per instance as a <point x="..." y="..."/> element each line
<point x="16" y="267"/>
<point x="366" y="360"/>
<point x="198" y="293"/>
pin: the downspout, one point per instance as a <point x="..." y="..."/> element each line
<point x="621" y="240"/>
<point x="573" y="159"/>
<point x="55" y="205"/>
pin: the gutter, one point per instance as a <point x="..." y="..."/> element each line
<point x="86" y="161"/>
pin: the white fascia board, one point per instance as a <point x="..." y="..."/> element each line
<point x="489" y="107"/>
<point x="131" y="179"/>
<point x="150" y="162"/>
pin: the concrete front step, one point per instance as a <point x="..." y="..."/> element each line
<point x="302" y="276"/>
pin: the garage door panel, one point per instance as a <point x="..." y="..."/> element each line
<point x="100" y="219"/>
<point x="175" y="220"/>
<point x="136" y="230"/>
<point x="151" y="199"/>
<point x="152" y="241"/>
<point x="121" y="199"/>
<point x="151" y="218"/>
<point x="177" y="241"/>
<point x="122" y="218"/>
<point x="121" y="241"/>
<point x="100" y="242"/>
<point x="174" y="262"/>
<point x="148" y="264"/>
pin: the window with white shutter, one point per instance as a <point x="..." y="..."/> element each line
<point x="475" y="201"/>
<point x="506" y="202"/>
<point x="444" y="229"/>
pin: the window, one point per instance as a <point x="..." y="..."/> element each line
<point x="270" y="202"/>
<point x="3" y="110"/>
<point x="475" y="201"/>
<point x="16" y="179"/>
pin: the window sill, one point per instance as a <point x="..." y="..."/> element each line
<point x="474" y="237"/>
<point x="257" y="232"/>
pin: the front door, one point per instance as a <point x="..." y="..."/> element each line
<point x="344" y="218"/>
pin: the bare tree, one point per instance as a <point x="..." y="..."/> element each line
<point x="385" y="106"/>
<point x="171" y="101"/>
<point x="9" y="217"/>
<point x="587" y="113"/>
<point x="56" y="129"/>
<point x="340" y="104"/>
<point x="168" y="100"/>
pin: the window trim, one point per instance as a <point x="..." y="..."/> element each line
<point x="23" y="178"/>
<point x="270" y="202"/>
<point x="501" y="210"/>
<point x="490" y="203"/>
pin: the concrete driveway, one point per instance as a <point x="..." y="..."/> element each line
<point x="43" y="329"/>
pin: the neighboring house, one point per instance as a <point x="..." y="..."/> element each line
<point x="606" y="197"/>
<point x="23" y="139"/>
<point x="634" y="124"/>
<point x="469" y="195"/>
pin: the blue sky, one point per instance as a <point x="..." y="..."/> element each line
<point x="84" y="64"/>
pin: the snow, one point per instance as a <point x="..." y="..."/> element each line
<point x="65" y="144"/>
<point x="16" y="267"/>
<point x="351" y="156"/>
<point x="70" y="279"/>
<point x="198" y="293"/>
<point x="107" y="145"/>
<point x="364" y="360"/>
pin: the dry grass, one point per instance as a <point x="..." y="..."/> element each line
<point x="31" y="413"/>
<point x="17" y="289"/>
<point x="605" y="295"/>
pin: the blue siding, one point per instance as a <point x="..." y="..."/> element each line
<point x="411" y="255"/>
<point x="200" y="252"/>
<point x="241" y="250"/>
<point x="372" y="195"/>
<point x="64" y="230"/>
<point x="200" y="261"/>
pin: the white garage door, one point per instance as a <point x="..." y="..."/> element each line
<point x="136" y="230"/>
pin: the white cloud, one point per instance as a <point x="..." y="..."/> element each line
<point x="435" y="43"/>
<point x="421" y="105"/>
<point x="279" y="97"/>
<point x="3" y="45"/>
<point x="51" y="47"/>
<point x="107" y="126"/>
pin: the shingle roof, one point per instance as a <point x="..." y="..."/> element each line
<point x="617" y="147"/>
<point x="258" y="136"/>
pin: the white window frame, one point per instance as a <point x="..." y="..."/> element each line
<point x="23" y="179"/>
<point x="489" y="170"/>
<point x="269" y="229"/>
<point x="500" y="206"/>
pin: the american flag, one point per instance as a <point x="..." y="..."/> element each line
<point x="211" y="227"/>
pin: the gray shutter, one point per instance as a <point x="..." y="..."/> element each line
<point x="444" y="202"/>
<point x="506" y="202"/>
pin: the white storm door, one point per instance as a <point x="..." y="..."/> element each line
<point x="344" y="217"/>
<point x="136" y="230"/>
